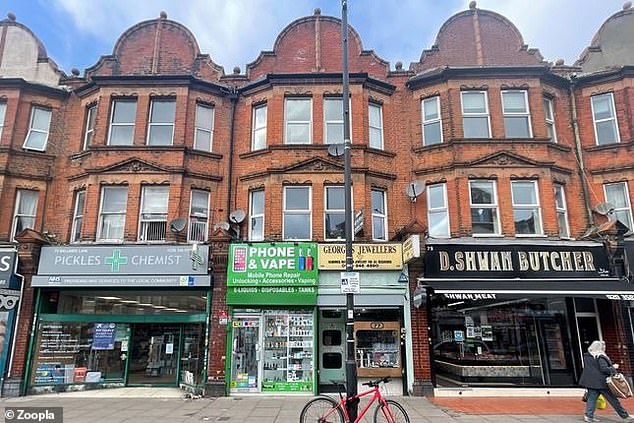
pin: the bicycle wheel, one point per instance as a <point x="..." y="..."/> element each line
<point x="391" y="412"/>
<point x="321" y="410"/>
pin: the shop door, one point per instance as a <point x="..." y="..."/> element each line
<point x="332" y="349"/>
<point x="588" y="331"/>
<point x="556" y="352"/>
<point x="154" y="354"/>
<point x="246" y="372"/>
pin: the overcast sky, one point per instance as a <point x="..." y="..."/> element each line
<point x="233" y="32"/>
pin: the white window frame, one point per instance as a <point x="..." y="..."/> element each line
<point x="374" y="128"/>
<point x="114" y="124"/>
<point x="198" y="218"/>
<point x="308" y="212"/>
<point x="549" y="117"/>
<point x="89" y="130"/>
<point x="627" y="209"/>
<point x="562" y="211"/>
<point x="427" y="122"/>
<point x="144" y="193"/>
<point x="101" y="213"/>
<point x="253" y="215"/>
<point x="533" y="206"/>
<point x="3" y="113"/>
<point x="288" y="123"/>
<point x="78" y="216"/>
<point x="494" y="205"/>
<point x="255" y="129"/>
<point x="442" y="210"/>
<point x="526" y="114"/>
<point x="209" y="131"/>
<point x="151" y="124"/>
<point x="476" y="115"/>
<point x="34" y="110"/>
<point x="378" y="215"/>
<point x="337" y="122"/>
<point x="613" y="118"/>
<point x="17" y="215"/>
<point x="336" y="212"/>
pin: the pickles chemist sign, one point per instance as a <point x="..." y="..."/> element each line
<point x="280" y="273"/>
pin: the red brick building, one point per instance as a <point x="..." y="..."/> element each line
<point x="128" y="189"/>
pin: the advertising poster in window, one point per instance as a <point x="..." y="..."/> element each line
<point x="104" y="336"/>
<point x="487" y="332"/>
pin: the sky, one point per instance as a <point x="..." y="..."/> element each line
<point x="234" y="32"/>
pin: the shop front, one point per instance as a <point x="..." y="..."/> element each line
<point x="383" y="345"/>
<point x="517" y="314"/>
<point x="10" y="286"/>
<point x="271" y="292"/>
<point x="111" y="316"/>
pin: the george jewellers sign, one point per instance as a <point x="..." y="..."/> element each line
<point x="526" y="261"/>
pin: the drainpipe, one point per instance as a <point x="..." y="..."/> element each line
<point x="233" y="96"/>
<point x="578" y="151"/>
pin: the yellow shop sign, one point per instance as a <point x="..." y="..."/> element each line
<point x="364" y="256"/>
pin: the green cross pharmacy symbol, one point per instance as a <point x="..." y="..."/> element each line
<point x="116" y="260"/>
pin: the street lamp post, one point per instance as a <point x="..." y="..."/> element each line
<point x="351" y="364"/>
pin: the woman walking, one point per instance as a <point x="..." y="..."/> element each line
<point x="596" y="367"/>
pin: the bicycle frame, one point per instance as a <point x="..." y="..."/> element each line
<point x="377" y="396"/>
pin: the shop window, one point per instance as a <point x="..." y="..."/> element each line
<point x="562" y="212"/>
<point x="198" y="216"/>
<point x="617" y="195"/>
<point x="375" y="117"/>
<point x="78" y="216"/>
<point x="3" y="109"/>
<point x="517" y="118"/>
<point x="204" y="131"/>
<point x="606" y="128"/>
<point x="258" y="131"/>
<point x="39" y="127"/>
<point x="475" y="114"/>
<point x="256" y="215"/>
<point x="549" y="116"/>
<point x="334" y="213"/>
<point x="485" y="218"/>
<point x="297" y="213"/>
<point x="114" y="202"/>
<point x="379" y="215"/>
<point x="437" y="211"/>
<point x="122" y="122"/>
<point x="89" y="131"/>
<point x="131" y="302"/>
<point x="378" y="348"/>
<point x="333" y="120"/>
<point x="432" y="121"/>
<point x="153" y="221"/>
<point x="161" y="126"/>
<point x="526" y="210"/>
<point x="298" y="121"/>
<point x="25" y="211"/>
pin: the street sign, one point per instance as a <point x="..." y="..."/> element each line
<point x="350" y="283"/>
<point x="358" y="222"/>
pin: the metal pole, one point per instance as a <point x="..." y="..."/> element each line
<point x="351" y="364"/>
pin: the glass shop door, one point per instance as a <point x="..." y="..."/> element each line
<point x="246" y="371"/>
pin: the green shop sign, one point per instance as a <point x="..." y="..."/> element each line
<point x="265" y="273"/>
<point x="276" y="386"/>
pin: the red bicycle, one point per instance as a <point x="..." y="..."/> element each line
<point x="324" y="409"/>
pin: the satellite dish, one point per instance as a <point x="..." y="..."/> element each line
<point x="414" y="189"/>
<point x="604" y="208"/>
<point x="237" y="216"/>
<point x="606" y="227"/>
<point x="336" y="150"/>
<point x="590" y="232"/>
<point x="177" y="225"/>
<point x="222" y="225"/>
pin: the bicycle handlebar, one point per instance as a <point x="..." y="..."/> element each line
<point x="374" y="383"/>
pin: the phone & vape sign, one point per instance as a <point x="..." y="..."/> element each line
<point x="266" y="273"/>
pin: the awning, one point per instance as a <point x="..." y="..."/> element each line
<point x="480" y="289"/>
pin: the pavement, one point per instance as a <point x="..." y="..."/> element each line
<point x="156" y="405"/>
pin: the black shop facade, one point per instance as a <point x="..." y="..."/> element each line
<point x="517" y="313"/>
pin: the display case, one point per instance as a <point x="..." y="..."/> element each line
<point x="378" y="349"/>
<point x="288" y="352"/>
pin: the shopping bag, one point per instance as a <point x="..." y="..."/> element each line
<point x="618" y="385"/>
<point x="601" y="403"/>
<point x="584" y="398"/>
